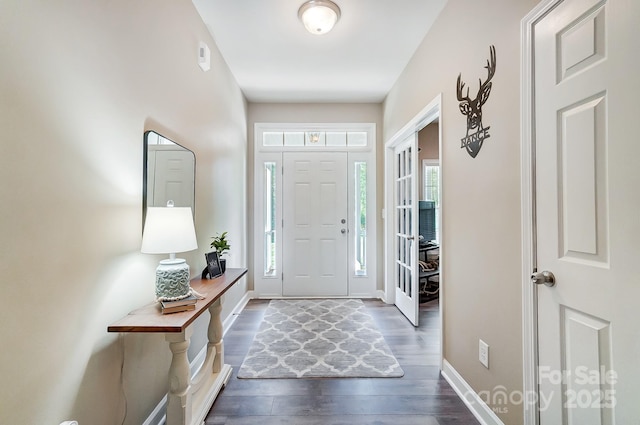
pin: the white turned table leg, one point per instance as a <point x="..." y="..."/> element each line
<point x="179" y="397"/>
<point x="214" y="374"/>
<point x="215" y="335"/>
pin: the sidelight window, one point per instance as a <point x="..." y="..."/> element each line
<point x="361" y="218"/>
<point x="270" y="219"/>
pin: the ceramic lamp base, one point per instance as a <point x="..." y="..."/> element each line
<point x="172" y="279"/>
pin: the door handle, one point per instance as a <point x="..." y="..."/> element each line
<point x="545" y="277"/>
<point x="410" y="238"/>
<point x="343" y="231"/>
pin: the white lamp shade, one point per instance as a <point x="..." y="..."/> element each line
<point x="319" y="16"/>
<point x="168" y="230"/>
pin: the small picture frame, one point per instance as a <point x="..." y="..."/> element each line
<point x="213" y="264"/>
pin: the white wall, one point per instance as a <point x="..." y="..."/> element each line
<point x="320" y="113"/>
<point x="80" y="82"/>
<point x="481" y="196"/>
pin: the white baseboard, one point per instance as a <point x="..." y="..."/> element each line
<point x="226" y="324"/>
<point x="158" y="415"/>
<point x="478" y="407"/>
<point x="380" y="294"/>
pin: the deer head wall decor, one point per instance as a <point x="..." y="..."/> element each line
<point x="476" y="132"/>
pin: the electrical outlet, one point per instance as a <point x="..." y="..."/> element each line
<point x="483" y="353"/>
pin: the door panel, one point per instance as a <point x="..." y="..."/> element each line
<point x="582" y="180"/>
<point x="586" y="346"/>
<point x="314" y="235"/>
<point x="173" y="179"/>
<point x="588" y="373"/>
<point x="406" y="227"/>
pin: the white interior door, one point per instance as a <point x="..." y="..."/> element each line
<point x="588" y="203"/>
<point x="406" y="225"/>
<point x="315" y="225"/>
<point x="172" y="178"/>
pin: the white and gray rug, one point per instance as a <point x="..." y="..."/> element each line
<point x="319" y="338"/>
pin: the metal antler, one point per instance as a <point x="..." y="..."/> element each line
<point x="485" y="88"/>
<point x="460" y="87"/>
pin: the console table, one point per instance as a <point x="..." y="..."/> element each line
<point x="189" y="398"/>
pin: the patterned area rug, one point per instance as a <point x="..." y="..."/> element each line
<point x="319" y="338"/>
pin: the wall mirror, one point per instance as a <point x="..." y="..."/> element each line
<point x="168" y="174"/>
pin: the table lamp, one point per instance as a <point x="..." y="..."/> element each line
<point x="168" y="231"/>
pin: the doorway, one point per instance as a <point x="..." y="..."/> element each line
<point x="402" y="233"/>
<point x="314" y="211"/>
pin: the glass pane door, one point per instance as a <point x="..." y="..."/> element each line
<point x="406" y="226"/>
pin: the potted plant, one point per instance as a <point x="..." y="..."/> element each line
<point x="220" y="244"/>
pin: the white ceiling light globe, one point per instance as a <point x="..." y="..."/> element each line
<point x="319" y="16"/>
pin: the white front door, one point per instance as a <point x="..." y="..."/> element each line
<point x="406" y="228"/>
<point x="586" y="55"/>
<point x="315" y="224"/>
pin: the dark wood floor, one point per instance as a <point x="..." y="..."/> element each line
<point x="421" y="397"/>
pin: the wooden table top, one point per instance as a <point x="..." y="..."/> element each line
<point x="149" y="318"/>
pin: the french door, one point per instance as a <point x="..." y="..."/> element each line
<point x="407" y="295"/>
<point x="315" y="224"/>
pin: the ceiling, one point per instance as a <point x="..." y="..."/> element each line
<point x="274" y="59"/>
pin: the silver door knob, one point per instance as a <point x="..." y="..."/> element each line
<point x="545" y="277"/>
<point x="343" y="231"/>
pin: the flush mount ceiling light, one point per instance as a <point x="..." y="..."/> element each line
<point x="319" y="16"/>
